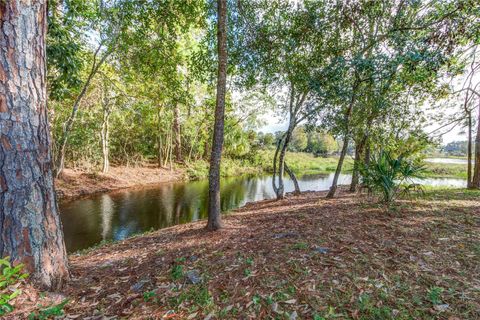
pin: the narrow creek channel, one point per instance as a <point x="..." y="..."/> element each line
<point x="117" y="215"/>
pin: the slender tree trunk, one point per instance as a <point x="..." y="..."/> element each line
<point x="214" y="218"/>
<point x="176" y="129"/>
<point x="333" y="188"/>
<point x="159" y="139"/>
<point x="469" y="151"/>
<point x="193" y="142"/>
<point x="281" y="160"/>
<point x="469" y="142"/>
<point x="105" y="139"/>
<point x="168" y="147"/>
<point x="69" y="124"/>
<point x="476" y="170"/>
<point x="356" y="165"/>
<point x="170" y="153"/>
<point x="294" y="179"/>
<point x="275" y="157"/>
<point x="30" y="227"/>
<point x="348" y="114"/>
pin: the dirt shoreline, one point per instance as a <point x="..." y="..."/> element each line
<point x="77" y="183"/>
<point x="303" y="255"/>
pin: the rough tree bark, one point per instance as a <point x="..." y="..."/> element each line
<point x="476" y="170"/>
<point x="214" y="219"/>
<point x="30" y="227"/>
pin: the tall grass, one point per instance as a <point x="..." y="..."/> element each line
<point x="262" y="162"/>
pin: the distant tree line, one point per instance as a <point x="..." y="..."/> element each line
<point x="317" y="142"/>
<point x="456" y="148"/>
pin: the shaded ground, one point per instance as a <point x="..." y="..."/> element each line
<point x="76" y="183"/>
<point x="303" y="257"/>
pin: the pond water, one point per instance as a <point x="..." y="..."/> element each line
<point x="118" y="215"/>
<point x="447" y="160"/>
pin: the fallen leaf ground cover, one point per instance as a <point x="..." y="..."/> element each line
<point x="303" y="257"/>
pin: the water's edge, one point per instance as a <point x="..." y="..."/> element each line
<point x="122" y="213"/>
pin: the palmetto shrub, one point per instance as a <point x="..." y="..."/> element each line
<point x="389" y="175"/>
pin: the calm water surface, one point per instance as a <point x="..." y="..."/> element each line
<point x="118" y="215"/>
<point x="447" y="160"/>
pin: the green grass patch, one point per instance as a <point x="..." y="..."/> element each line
<point x="301" y="163"/>
<point x="445" y="170"/>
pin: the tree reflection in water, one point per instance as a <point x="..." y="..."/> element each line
<point x="117" y="215"/>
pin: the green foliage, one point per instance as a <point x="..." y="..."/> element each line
<point x="299" y="140"/>
<point x="50" y="312"/>
<point x="177" y="272"/>
<point x="160" y="71"/>
<point x="434" y="295"/>
<point x="9" y="275"/>
<point x="196" y="294"/>
<point x="445" y="170"/>
<point x="66" y="45"/>
<point x="321" y="143"/>
<point x="456" y="148"/>
<point x="387" y="174"/>
<point x="300" y="246"/>
<point x="265" y="140"/>
<point x="301" y="162"/>
<point x="229" y="168"/>
<point x="149" y="295"/>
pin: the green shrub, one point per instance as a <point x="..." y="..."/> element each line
<point x="389" y="175"/>
<point x="9" y="276"/>
<point x="50" y="312"/>
<point x="176" y="272"/>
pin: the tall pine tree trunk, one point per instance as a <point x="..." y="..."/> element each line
<point x="476" y="170"/>
<point x="30" y="226"/>
<point x="214" y="219"/>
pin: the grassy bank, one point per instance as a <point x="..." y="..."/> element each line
<point x="75" y="183"/>
<point x="303" y="257"/>
<point x="300" y="163"/>
<point x="306" y="163"/>
<point x="443" y="170"/>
